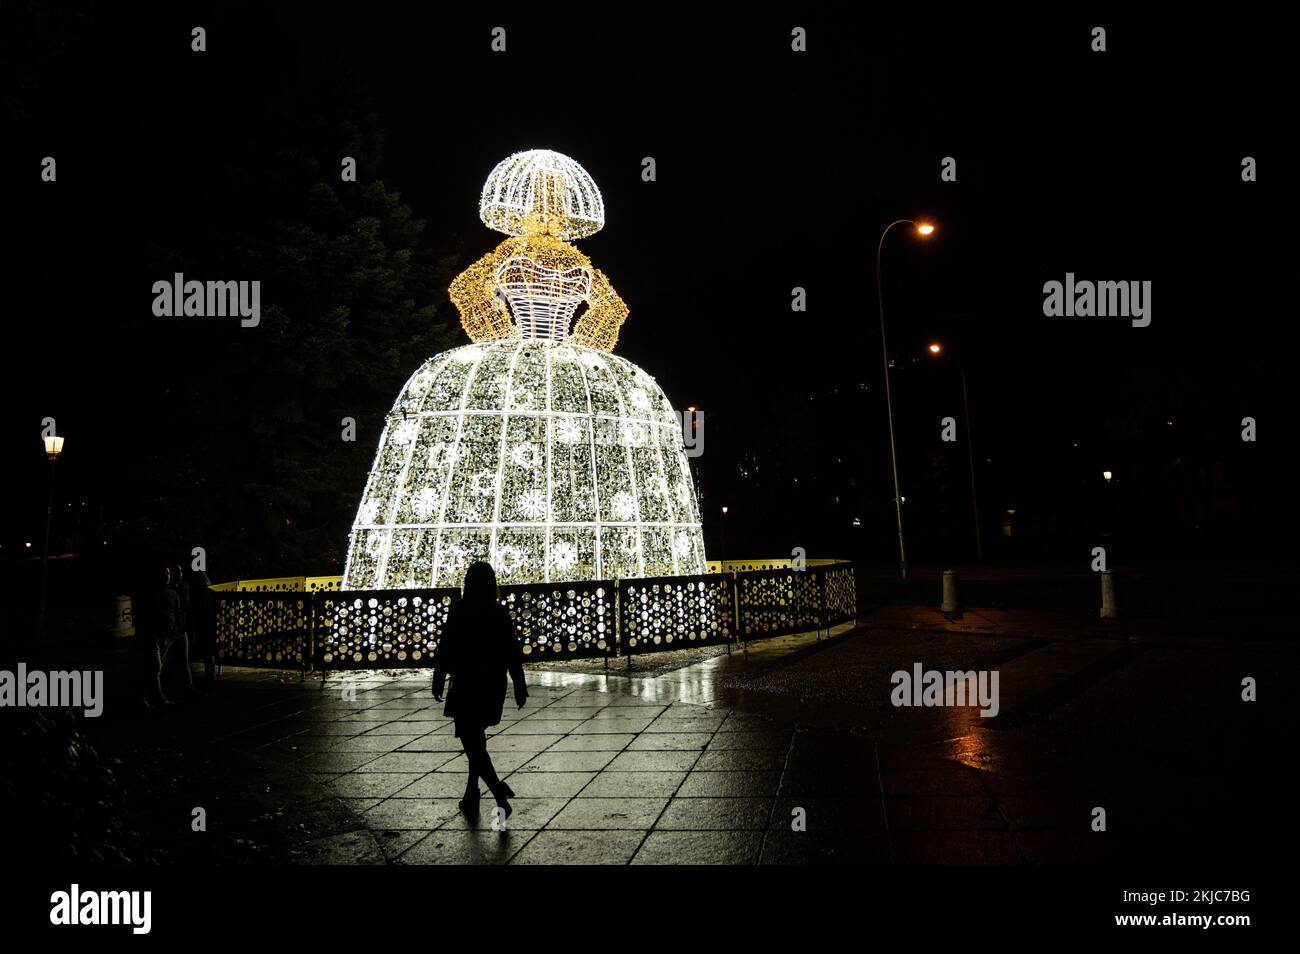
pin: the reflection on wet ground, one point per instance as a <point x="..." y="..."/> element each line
<point x="794" y="754"/>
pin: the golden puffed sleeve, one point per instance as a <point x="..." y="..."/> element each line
<point x="483" y="315"/>
<point x="598" y="326"/>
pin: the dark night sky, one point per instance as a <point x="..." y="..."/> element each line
<point x="774" y="170"/>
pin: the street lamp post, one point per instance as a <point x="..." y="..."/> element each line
<point x="922" y="229"/>
<point x="970" y="454"/>
<point x="53" y="448"/>
<point x="970" y="451"/>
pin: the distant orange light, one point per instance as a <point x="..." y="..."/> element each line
<point x="925" y="228"/>
<point x="935" y="349"/>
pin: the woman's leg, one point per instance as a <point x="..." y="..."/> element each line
<point x="184" y="649"/>
<point x="480" y="763"/>
<point x="471" y="739"/>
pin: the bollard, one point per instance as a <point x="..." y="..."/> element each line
<point x="1109" y="608"/>
<point x="950" y="608"/>
<point x="124" y="626"/>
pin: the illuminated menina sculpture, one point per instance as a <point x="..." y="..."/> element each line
<point x="534" y="448"/>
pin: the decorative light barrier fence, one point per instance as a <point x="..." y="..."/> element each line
<point x="367" y="629"/>
<point x="676" y="612"/>
<point x="782" y="601"/>
<point x="563" y="620"/>
<point x="271" y="629"/>
<point x="777" y="602"/>
<point x="839" y="593"/>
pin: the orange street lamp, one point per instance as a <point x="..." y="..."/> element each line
<point x="925" y="228"/>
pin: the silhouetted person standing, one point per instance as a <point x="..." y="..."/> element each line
<point x="161" y="622"/>
<point x="203" y="626"/>
<point x="478" y="648"/>
<point x="184" y="626"/>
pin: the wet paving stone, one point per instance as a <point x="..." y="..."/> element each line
<point x="606" y="813"/>
<point x="699" y="848"/>
<point x="331" y="728"/>
<point x="394" y="843"/>
<point x="730" y="784"/>
<point x="408" y="762"/>
<point x="806" y="848"/>
<point x="335" y="761"/>
<point x="613" y="726"/>
<point x="661" y="761"/>
<point x="715" y="814"/>
<point x="448" y="846"/>
<point x="764" y="739"/>
<point x="1047" y="811"/>
<point x="630" y="712"/>
<point x="416" y="728"/>
<point x="661" y="741"/>
<point x="549" y="784"/>
<point x="502" y="761"/>
<point x="348" y="848"/>
<point x="527" y="814"/>
<point x="379" y="744"/>
<point x="553" y="847"/>
<point x="522" y="743"/>
<point x="436" y="743"/>
<point x="663" y="724"/>
<point x="410" y="813"/>
<point x="371" y="784"/>
<point x="596" y="742"/>
<point x="829" y="782"/>
<point x="543" y="727"/>
<point x="436" y="785"/>
<point x="956" y="847"/>
<point x="629" y="784"/>
<point x="947" y="779"/>
<point x="568" y="762"/>
<point x="358" y="806"/>
<point x="943" y="813"/>
<point x="738" y="760"/>
<point x="821" y="817"/>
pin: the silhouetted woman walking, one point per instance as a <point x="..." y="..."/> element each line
<point x="478" y="647"/>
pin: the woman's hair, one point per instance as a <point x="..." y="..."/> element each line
<point x="480" y="583"/>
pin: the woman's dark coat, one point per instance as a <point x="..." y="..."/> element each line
<point x="477" y="649"/>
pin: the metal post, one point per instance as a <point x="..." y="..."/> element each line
<point x="735" y="603"/>
<point x="889" y="401"/>
<point x="950" y="605"/>
<point x="970" y="451"/>
<point x="45" y="553"/>
<point x="309" y="663"/>
<point x="1109" y="604"/>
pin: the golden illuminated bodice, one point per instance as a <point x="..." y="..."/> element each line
<point x="542" y="300"/>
